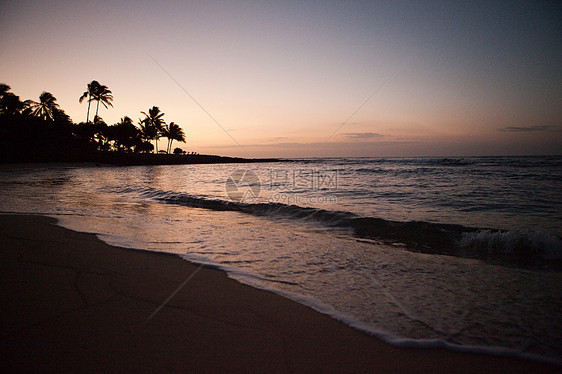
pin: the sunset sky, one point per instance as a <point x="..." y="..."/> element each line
<point x="305" y="79"/>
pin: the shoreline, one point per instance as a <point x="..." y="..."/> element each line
<point x="73" y="302"/>
<point x="129" y="159"/>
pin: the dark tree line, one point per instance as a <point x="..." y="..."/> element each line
<point x="42" y="131"/>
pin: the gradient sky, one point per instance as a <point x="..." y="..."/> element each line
<point x="304" y="79"/>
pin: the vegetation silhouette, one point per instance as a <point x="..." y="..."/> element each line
<point x="103" y="95"/>
<point x="10" y="104"/>
<point x="154" y="123"/>
<point x="125" y="135"/>
<point x="45" y="108"/>
<point x="96" y="92"/>
<point x="40" y="131"/>
<point x="88" y="94"/>
<point x="146" y="133"/>
<point x="173" y="132"/>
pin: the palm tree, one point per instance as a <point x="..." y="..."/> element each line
<point x="165" y="133"/>
<point x="124" y="134"/>
<point x="100" y="130"/>
<point x="10" y="103"/>
<point x="46" y="108"/>
<point x="154" y="123"/>
<point x="102" y="94"/>
<point x="173" y="132"/>
<point x="146" y="134"/>
<point x="4" y="88"/>
<point x="93" y="87"/>
<point x="60" y="116"/>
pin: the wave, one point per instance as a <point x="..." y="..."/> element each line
<point x="519" y="242"/>
<point x="485" y="161"/>
<point x="525" y="248"/>
<point x="397" y="340"/>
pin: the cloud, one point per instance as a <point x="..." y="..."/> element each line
<point x="362" y="135"/>
<point x="526" y="128"/>
<point x="280" y="139"/>
<point x="317" y="145"/>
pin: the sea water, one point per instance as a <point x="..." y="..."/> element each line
<point x="464" y="253"/>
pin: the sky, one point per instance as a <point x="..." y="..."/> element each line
<point x="304" y="78"/>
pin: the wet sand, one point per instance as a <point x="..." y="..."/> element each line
<point x="71" y="303"/>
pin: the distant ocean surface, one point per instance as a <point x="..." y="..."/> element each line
<point x="464" y="253"/>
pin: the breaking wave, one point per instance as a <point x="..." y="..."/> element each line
<point x="525" y="248"/>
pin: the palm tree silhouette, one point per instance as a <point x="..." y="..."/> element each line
<point x="100" y="130"/>
<point x="165" y="132"/>
<point x="46" y="108"/>
<point x="173" y="132"/>
<point x="124" y="134"/>
<point x="10" y="103"/>
<point x="4" y="88"/>
<point x="146" y="132"/>
<point x="102" y="94"/>
<point x="154" y="123"/>
<point x="93" y="87"/>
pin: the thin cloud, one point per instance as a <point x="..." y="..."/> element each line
<point x="304" y="145"/>
<point x="280" y="139"/>
<point x="362" y="135"/>
<point x="526" y="128"/>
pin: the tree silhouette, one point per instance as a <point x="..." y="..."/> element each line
<point x="146" y="132"/>
<point x="25" y="136"/>
<point x="45" y="108"/>
<point x="10" y="103"/>
<point x="124" y="134"/>
<point x="4" y="88"/>
<point x="173" y="132"/>
<point x="100" y="130"/>
<point x="60" y="116"/>
<point x="102" y="94"/>
<point x="85" y="131"/>
<point x="154" y="123"/>
<point x="89" y="94"/>
<point x="165" y="132"/>
<point x="96" y="92"/>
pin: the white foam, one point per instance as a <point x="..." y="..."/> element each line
<point x="393" y="339"/>
<point x="256" y="281"/>
<point x="548" y="246"/>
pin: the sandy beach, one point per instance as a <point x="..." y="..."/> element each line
<point x="71" y="303"/>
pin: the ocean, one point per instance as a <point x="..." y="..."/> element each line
<point x="464" y="253"/>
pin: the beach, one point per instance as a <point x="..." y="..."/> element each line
<point x="291" y="187"/>
<point x="71" y="302"/>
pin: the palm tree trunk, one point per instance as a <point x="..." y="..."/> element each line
<point x="170" y="144"/>
<point x="97" y="108"/>
<point x="88" y="112"/>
